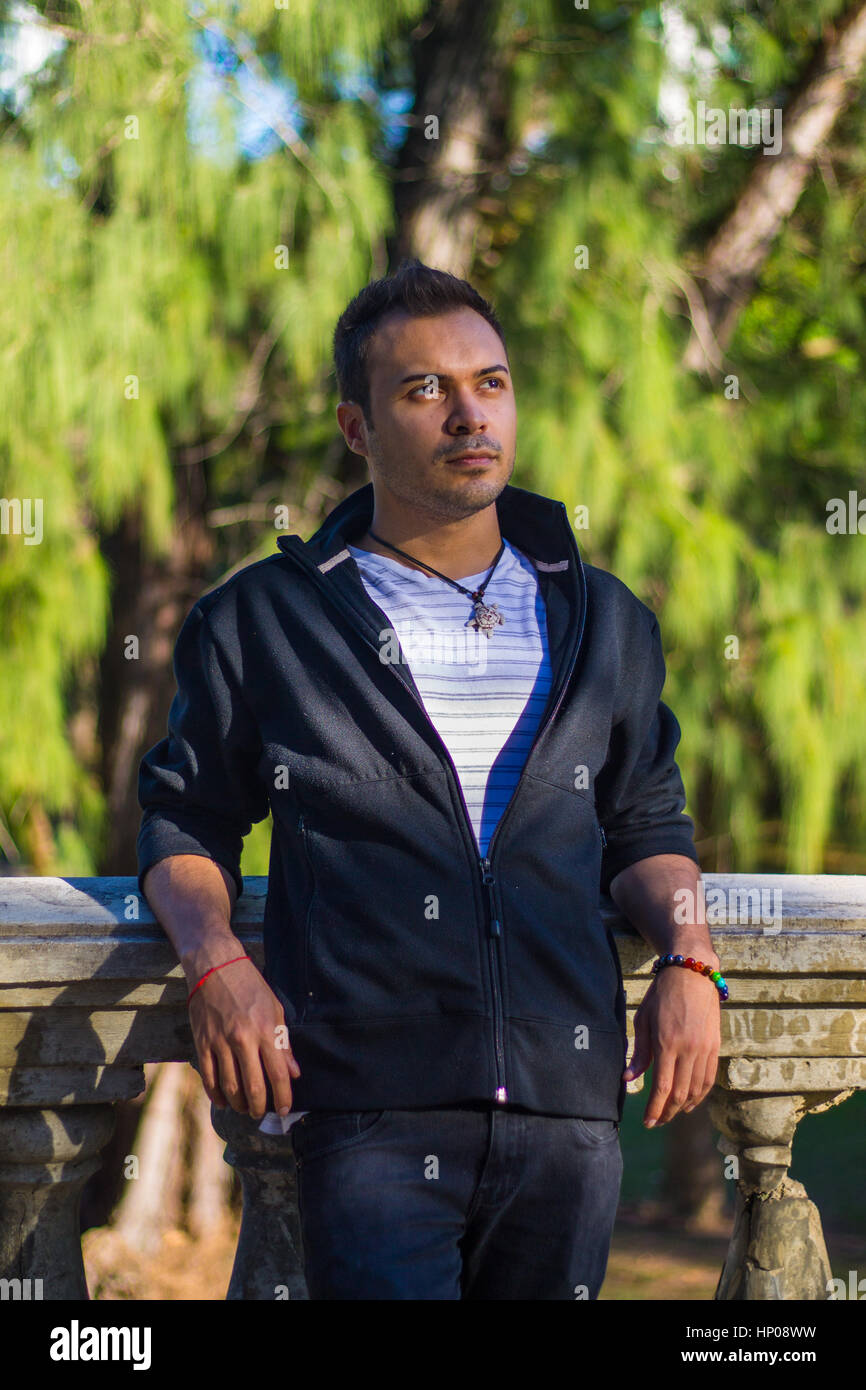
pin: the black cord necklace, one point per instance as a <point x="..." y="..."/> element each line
<point x="487" y="615"/>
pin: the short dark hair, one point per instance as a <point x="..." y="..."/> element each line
<point x="417" y="289"/>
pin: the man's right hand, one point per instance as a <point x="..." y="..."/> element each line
<point x="241" y="1039"/>
<point x="237" y="1021"/>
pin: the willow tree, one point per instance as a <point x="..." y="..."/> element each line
<point x="709" y="494"/>
<point x="169" y="293"/>
<point x="190" y="198"/>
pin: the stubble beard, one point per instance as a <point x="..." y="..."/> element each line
<point x="447" y="494"/>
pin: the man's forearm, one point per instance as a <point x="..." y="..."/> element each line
<point x="192" y="898"/>
<point x="650" y="894"/>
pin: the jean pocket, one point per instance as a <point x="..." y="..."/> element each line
<point x="322" y="1132"/>
<point x="597" y="1131"/>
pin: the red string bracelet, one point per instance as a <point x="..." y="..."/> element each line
<point x="211" y="971"/>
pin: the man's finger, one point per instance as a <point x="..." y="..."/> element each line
<point x="275" y="1063"/>
<point x="642" y="1053"/>
<point x="681" y="1087"/>
<point x="230" y="1080"/>
<point x="703" y="1077"/>
<point x="663" y="1076"/>
<point x="208" y="1079"/>
<point x="284" y="1051"/>
<point x="710" y="1071"/>
<point x="249" y="1064"/>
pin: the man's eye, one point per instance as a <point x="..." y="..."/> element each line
<point x="434" y="391"/>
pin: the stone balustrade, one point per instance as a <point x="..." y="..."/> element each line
<point x="90" y="990"/>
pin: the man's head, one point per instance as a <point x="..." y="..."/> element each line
<point x="423" y="376"/>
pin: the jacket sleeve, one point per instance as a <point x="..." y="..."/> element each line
<point x="639" y="791"/>
<point x="198" y="787"/>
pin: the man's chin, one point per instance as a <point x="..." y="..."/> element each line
<point x="468" y="494"/>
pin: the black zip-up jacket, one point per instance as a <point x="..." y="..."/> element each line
<point x="412" y="971"/>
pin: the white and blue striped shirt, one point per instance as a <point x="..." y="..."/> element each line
<point x="484" y="696"/>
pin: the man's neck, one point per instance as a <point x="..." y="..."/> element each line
<point x="454" y="556"/>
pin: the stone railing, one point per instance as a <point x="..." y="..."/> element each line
<point x="90" y="990"/>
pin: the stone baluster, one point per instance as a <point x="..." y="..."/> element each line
<point x="777" y="1248"/>
<point x="268" y="1261"/>
<point x="45" y="1158"/>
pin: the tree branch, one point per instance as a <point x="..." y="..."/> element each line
<point x="734" y="258"/>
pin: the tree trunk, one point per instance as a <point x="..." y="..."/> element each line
<point x="736" y="254"/>
<point x="152" y="1201"/>
<point x="150" y="599"/>
<point x="459" y="79"/>
<point x="211" y="1177"/>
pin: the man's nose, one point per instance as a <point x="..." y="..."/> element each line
<point x="468" y="413"/>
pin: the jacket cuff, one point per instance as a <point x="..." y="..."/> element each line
<point x="164" y="833"/>
<point x="619" y="856"/>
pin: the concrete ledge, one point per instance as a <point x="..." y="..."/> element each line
<point x="90" y="991"/>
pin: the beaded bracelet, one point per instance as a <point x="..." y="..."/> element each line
<point x="691" y="964"/>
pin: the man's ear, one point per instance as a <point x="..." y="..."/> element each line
<point x="350" y="418"/>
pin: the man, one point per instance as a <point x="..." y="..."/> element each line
<point x="457" y="726"/>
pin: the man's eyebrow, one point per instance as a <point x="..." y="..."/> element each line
<point x="443" y="376"/>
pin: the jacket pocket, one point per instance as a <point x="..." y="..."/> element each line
<point x="557" y="953"/>
<point x="392" y="929"/>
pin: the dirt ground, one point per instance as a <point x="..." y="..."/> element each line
<point x="647" y="1261"/>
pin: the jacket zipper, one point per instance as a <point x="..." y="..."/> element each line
<point x="496" y="977"/>
<point x="484" y="862"/>
<point x="302" y="831"/>
<point x="494" y="932"/>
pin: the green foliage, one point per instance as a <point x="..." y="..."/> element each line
<point x="139" y="274"/>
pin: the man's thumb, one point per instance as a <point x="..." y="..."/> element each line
<point x="642" y="1053"/>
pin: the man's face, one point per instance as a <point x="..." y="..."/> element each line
<point x="439" y="388"/>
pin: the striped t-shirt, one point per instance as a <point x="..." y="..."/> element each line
<point x="484" y="696"/>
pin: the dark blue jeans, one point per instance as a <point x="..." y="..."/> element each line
<point x="475" y="1203"/>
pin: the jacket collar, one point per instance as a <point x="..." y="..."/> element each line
<point x="538" y="526"/>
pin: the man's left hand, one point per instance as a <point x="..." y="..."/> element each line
<point x="677" y="1027"/>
